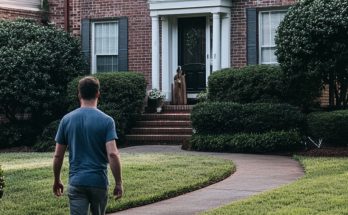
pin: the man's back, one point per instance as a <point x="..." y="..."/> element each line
<point x="86" y="131"/>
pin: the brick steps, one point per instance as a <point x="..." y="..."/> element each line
<point x="166" y="116"/>
<point x="168" y="130"/>
<point x="164" y="123"/>
<point x="172" y="126"/>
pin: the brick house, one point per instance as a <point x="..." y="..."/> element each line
<point x="154" y="37"/>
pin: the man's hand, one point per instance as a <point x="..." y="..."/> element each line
<point x="58" y="188"/>
<point x="118" y="191"/>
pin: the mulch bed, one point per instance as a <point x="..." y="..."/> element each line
<point x="326" y="152"/>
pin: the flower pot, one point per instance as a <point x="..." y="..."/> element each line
<point x="159" y="109"/>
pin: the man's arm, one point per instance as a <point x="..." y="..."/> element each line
<point x="115" y="165"/>
<point x="58" y="187"/>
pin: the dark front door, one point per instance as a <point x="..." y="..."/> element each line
<point x="192" y="52"/>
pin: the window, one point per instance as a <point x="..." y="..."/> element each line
<point x="268" y="24"/>
<point x="105" y="46"/>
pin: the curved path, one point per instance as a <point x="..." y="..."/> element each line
<point x="255" y="174"/>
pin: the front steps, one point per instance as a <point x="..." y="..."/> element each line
<point x="172" y="126"/>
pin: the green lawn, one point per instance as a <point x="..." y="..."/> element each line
<point x="147" y="178"/>
<point x="323" y="191"/>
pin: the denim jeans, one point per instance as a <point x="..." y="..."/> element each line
<point x="87" y="199"/>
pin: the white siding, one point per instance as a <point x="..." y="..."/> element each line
<point x="21" y="4"/>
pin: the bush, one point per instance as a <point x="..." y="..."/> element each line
<point x="46" y="142"/>
<point x="332" y="127"/>
<point x="259" y="83"/>
<point x="227" y="117"/>
<point x="2" y="182"/>
<point x="312" y="49"/>
<point x="21" y="133"/>
<point x="274" y="141"/>
<point x="122" y="97"/>
<point x="36" y="63"/>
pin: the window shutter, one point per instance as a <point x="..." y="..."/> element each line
<point x="251" y="15"/>
<point x="85" y="39"/>
<point x="123" y="44"/>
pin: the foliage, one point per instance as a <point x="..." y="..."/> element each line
<point x="2" y="182"/>
<point x="312" y="49"/>
<point x="122" y="97"/>
<point x="323" y="190"/>
<point x="36" y="63"/>
<point x="170" y="175"/>
<point x="274" y="141"/>
<point x="332" y="127"/>
<point x="203" y="96"/>
<point x="261" y="83"/>
<point x="227" y="117"/>
<point x="156" y="94"/>
<point x="21" y="133"/>
<point x="45" y="142"/>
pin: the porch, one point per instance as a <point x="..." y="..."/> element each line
<point x="195" y="35"/>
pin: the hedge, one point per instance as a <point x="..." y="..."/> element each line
<point x="227" y="117"/>
<point x="122" y="97"/>
<point x="260" y="83"/>
<point x="21" y="133"/>
<point x="45" y="142"/>
<point x="332" y="127"/>
<point x="274" y="141"/>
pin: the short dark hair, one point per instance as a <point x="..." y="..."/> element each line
<point x="88" y="87"/>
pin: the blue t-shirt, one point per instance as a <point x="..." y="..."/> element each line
<point x="86" y="132"/>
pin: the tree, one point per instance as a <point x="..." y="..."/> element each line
<point x="312" y="49"/>
<point x="36" y="63"/>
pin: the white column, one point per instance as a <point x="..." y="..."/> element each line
<point x="155" y="53"/>
<point x="166" y="64"/>
<point x="216" y="42"/>
<point x="226" y="41"/>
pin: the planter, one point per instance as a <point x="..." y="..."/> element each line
<point x="154" y="105"/>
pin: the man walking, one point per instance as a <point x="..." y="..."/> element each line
<point x="90" y="136"/>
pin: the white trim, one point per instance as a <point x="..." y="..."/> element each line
<point x="226" y="41"/>
<point x="175" y="4"/>
<point x="208" y="51"/>
<point x="155" y="52"/>
<point x="28" y="5"/>
<point x="216" y="42"/>
<point x="166" y="56"/>
<point x="196" y="10"/>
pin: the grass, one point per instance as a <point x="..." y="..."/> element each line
<point x="322" y="191"/>
<point x="147" y="178"/>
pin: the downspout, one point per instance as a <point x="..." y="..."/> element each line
<point x="66" y="15"/>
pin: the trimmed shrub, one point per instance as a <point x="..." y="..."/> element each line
<point x="2" y="182"/>
<point x="312" y="49"/>
<point x="260" y="83"/>
<point x="21" y="133"/>
<point x="46" y="142"/>
<point x="122" y="97"/>
<point x="36" y="64"/>
<point x="227" y="117"/>
<point x="332" y="127"/>
<point x="274" y="141"/>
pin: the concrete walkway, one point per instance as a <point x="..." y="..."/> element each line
<point x="255" y="174"/>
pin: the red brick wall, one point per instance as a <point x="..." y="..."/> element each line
<point x="8" y="13"/>
<point x="239" y="34"/>
<point x="139" y="44"/>
<point x="139" y="25"/>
